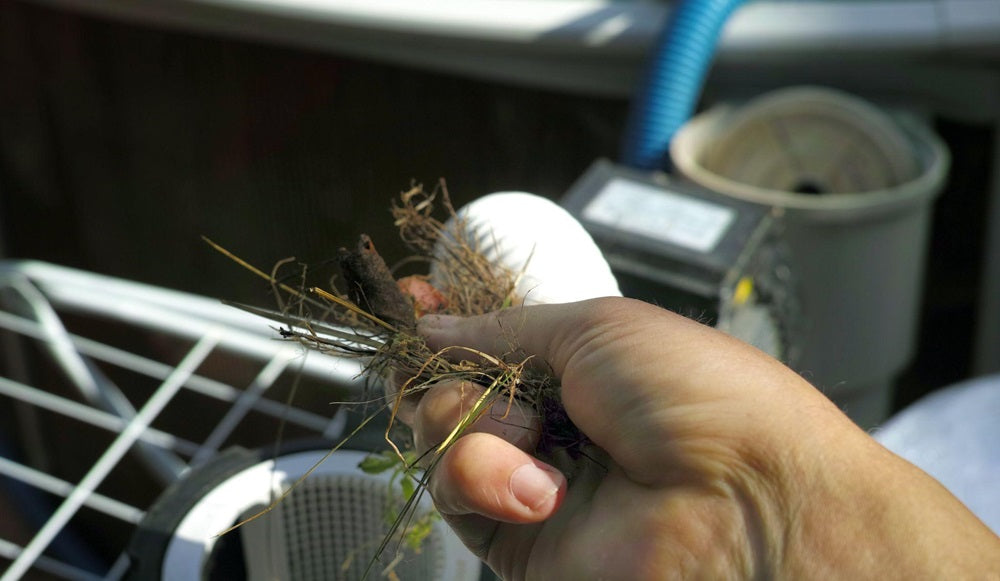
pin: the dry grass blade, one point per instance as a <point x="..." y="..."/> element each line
<point x="366" y="320"/>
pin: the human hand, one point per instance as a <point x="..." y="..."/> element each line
<point x="710" y="460"/>
<point x="685" y="484"/>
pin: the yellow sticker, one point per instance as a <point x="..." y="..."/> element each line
<point x="743" y="291"/>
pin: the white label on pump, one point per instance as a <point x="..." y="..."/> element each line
<point x="659" y="214"/>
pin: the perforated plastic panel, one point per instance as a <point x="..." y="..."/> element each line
<point x="332" y="518"/>
<point x="330" y="527"/>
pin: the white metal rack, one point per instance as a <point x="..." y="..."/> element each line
<point x="136" y="385"/>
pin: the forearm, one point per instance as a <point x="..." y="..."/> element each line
<point x="863" y="512"/>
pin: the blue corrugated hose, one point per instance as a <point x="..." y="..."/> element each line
<point x="673" y="79"/>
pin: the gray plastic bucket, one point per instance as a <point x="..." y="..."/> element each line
<point x="858" y="255"/>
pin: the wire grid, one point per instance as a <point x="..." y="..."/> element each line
<point x="111" y="390"/>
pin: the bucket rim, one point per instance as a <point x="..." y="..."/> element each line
<point x="932" y="156"/>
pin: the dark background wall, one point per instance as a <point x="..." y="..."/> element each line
<point x="120" y="145"/>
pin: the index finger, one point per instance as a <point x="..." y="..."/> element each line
<point x="639" y="381"/>
<point x="591" y="346"/>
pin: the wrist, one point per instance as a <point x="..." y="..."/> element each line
<point x="806" y="492"/>
<point x="852" y="509"/>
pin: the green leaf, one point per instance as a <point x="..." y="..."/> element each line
<point x="378" y="463"/>
<point x="406" y="484"/>
<point x="419" y="531"/>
